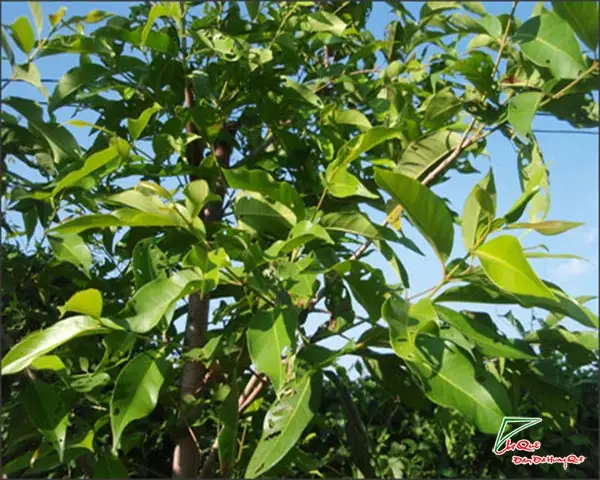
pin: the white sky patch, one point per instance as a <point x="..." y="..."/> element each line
<point x="571" y="269"/>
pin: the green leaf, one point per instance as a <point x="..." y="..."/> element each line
<point x="48" y="362"/>
<point x="548" y="227"/>
<point x="73" y="81"/>
<point x="107" y="466"/>
<point x="22" y="34"/>
<point x="38" y="16"/>
<point x="350" y="222"/>
<point x="426" y="210"/>
<point x="483" y="293"/>
<point x="197" y="194"/>
<point x="48" y="413"/>
<point x="29" y="73"/>
<point x="284" y="423"/>
<point x="136" y="127"/>
<point x="55" y="18"/>
<point x="479" y="211"/>
<point x="505" y="264"/>
<point x="362" y="143"/>
<point x="424" y="154"/>
<point x="41" y="342"/>
<point x="164" y="9"/>
<point x="270" y="334"/>
<point x="583" y="19"/>
<point x="302" y="233"/>
<point x="10" y="55"/>
<point x="93" y="163"/>
<point x="86" y="302"/>
<point x="407" y="322"/>
<point x="149" y="304"/>
<point x="324" y="22"/>
<point x="554" y="255"/>
<point x="352" y="117"/>
<point x="531" y="190"/>
<point x="262" y="182"/>
<point x="452" y="381"/>
<point x="227" y="441"/>
<point x="481" y="330"/>
<point x="548" y="41"/>
<point x="72" y="249"/>
<point x="148" y="262"/>
<point x="306" y="93"/>
<point x="358" y="438"/>
<point x="136" y="392"/>
<point x="521" y="111"/>
<point x="60" y="141"/>
<point x="342" y="184"/>
<point x="261" y="216"/>
<point x="441" y="107"/>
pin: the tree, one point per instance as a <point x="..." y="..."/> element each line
<point x="236" y="165"/>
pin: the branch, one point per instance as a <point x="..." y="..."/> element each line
<point x="253" y="388"/>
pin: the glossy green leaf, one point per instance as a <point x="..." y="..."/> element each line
<point x="87" y="383"/>
<point x="342" y="184"/>
<point x="136" y="126"/>
<point x="350" y="222"/>
<point x="362" y="143"/>
<point x="271" y="334"/>
<point x="38" y="16"/>
<point x="284" y="423"/>
<point x="29" y="73"/>
<point x="107" y="466"/>
<point x="149" y="304"/>
<point x="302" y="233"/>
<point x="228" y="442"/>
<point x="72" y="249"/>
<point x="10" y="55"/>
<point x="61" y="142"/>
<point x="148" y="262"/>
<point x="583" y="19"/>
<point x="426" y="210"/>
<point x="451" y="380"/>
<point x="262" y="182"/>
<point x="548" y="227"/>
<point x="55" y="18"/>
<point x="164" y="9"/>
<point x="358" y="439"/>
<point x="521" y="111"/>
<point x="324" y="22"/>
<point x="93" y="163"/>
<point x="197" y="194"/>
<point x="352" y="117"/>
<point x="48" y="362"/>
<point x="481" y="330"/>
<point x="86" y="302"/>
<point x="489" y="293"/>
<point x="48" y="412"/>
<point x="264" y="217"/>
<point x="441" y="107"/>
<point x="304" y="92"/>
<point x="22" y="34"/>
<point x="548" y="41"/>
<point x="41" y="342"/>
<point x="424" y="154"/>
<point x="72" y="81"/>
<point x="505" y="264"/>
<point x="136" y="392"/>
<point x="554" y="255"/>
<point x="407" y="322"/>
<point x="479" y="211"/>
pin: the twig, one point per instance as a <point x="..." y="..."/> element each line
<point x="253" y="388"/>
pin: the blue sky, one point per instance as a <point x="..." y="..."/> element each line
<point x="573" y="158"/>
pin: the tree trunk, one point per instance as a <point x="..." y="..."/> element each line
<point x="186" y="457"/>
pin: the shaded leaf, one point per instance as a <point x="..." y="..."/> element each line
<point x="583" y="19"/>
<point x="73" y="81"/>
<point x="284" y="423"/>
<point x="548" y="227"/>
<point x="136" y="392"/>
<point x="521" y="111"/>
<point x="108" y="466"/>
<point x="72" y="249"/>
